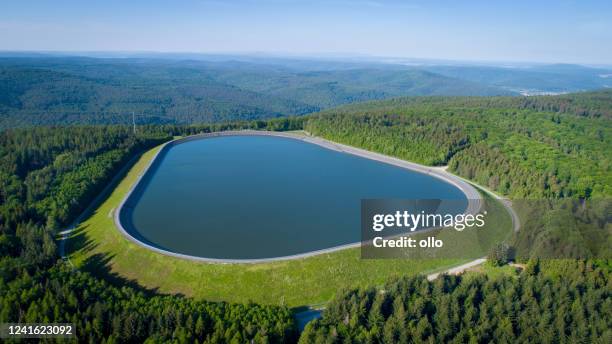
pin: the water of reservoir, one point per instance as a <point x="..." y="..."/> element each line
<point x="251" y="197"/>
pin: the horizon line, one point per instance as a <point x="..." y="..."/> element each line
<point x="330" y="56"/>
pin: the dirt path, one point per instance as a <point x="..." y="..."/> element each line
<point x="457" y="269"/>
<point x="64" y="234"/>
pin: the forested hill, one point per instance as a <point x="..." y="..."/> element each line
<point x="72" y="90"/>
<point x="59" y="90"/>
<point x="548" y="146"/>
<point x="47" y="177"/>
<point x="565" y="302"/>
<point x="549" y="150"/>
<point x="586" y="104"/>
<point x="329" y="88"/>
<point x="37" y="96"/>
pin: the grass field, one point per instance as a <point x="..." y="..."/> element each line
<point x="98" y="246"/>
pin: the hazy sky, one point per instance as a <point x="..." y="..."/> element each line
<point x="540" y="31"/>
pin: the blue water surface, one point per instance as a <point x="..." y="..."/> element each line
<point x="252" y="197"/>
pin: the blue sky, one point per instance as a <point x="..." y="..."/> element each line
<point x="536" y="31"/>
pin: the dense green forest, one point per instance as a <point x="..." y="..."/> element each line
<point x="329" y="88"/>
<point x="543" y="148"/>
<point x="37" y="96"/>
<point x="48" y="176"/>
<point x="58" y="90"/>
<point x="79" y="90"/>
<point x="562" y="302"/>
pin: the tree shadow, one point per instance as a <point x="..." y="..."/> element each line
<point x="78" y="241"/>
<point x="99" y="265"/>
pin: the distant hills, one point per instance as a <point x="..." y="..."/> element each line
<point x="39" y="89"/>
<point x="326" y="89"/>
<point x="99" y="92"/>
<point x="534" y="80"/>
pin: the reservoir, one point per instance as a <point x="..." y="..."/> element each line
<point x="257" y="197"/>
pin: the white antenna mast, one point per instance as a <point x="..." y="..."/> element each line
<point x="134" y="122"/>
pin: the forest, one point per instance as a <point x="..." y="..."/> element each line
<point x="47" y="96"/>
<point x="60" y="90"/>
<point x="546" y="148"/>
<point x="41" y="89"/>
<point x="553" y="302"/>
<point x="550" y="147"/>
<point x="48" y="176"/>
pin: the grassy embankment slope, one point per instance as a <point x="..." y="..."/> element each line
<point x="98" y="246"/>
